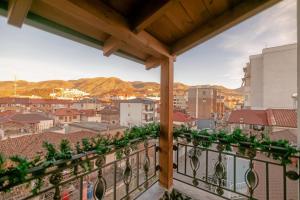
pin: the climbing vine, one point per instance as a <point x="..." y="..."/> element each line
<point x="20" y="166"/>
<point x="280" y="150"/>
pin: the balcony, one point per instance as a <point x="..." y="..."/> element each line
<point x="206" y="166"/>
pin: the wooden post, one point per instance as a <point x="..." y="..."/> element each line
<point x="298" y="73"/>
<point x="166" y="124"/>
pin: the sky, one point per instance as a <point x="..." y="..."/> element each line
<point x="34" y="55"/>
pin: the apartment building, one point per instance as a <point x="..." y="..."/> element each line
<point x="180" y="101"/>
<point x="87" y="104"/>
<point x="205" y="102"/>
<point x="136" y="112"/>
<point x="270" y="78"/>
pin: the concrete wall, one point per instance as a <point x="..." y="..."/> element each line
<point x="280" y="76"/>
<point x="131" y="114"/>
<point x="256" y="82"/>
<point x="273" y="77"/>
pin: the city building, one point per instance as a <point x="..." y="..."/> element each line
<point x="180" y="118"/>
<point x="103" y="129"/>
<point x="90" y="115"/>
<point x="264" y="121"/>
<point x="87" y="104"/>
<point x="110" y="115"/>
<point x="16" y="124"/>
<point x="66" y="116"/>
<point x="205" y="102"/>
<point x="136" y="112"/>
<point x="180" y="101"/>
<point x="270" y="78"/>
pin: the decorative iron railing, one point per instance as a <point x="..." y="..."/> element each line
<point x="112" y="169"/>
<point x="236" y="169"/>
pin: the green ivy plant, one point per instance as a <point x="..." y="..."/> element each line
<point x="17" y="174"/>
<point x="280" y="150"/>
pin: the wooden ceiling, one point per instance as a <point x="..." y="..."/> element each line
<point x="143" y="30"/>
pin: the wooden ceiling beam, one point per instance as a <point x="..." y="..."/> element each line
<point x="17" y="11"/>
<point x="111" y="45"/>
<point x="151" y="13"/>
<point x="152" y="62"/>
<point x="237" y="14"/>
<point x="97" y="14"/>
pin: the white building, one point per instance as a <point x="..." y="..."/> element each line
<point x="271" y="78"/>
<point x="136" y="112"/>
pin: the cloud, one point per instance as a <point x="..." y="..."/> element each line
<point x="273" y="27"/>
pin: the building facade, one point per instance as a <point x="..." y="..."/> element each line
<point x="270" y="78"/>
<point x="205" y="102"/>
<point x="136" y="112"/>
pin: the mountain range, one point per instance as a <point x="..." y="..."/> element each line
<point x="97" y="87"/>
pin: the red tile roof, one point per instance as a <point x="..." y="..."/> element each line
<point x="182" y="117"/>
<point x="88" y="113"/>
<point x="282" y="117"/>
<point x="29" y="145"/>
<point x="257" y="117"/>
<point x="284" y="135"/>
<point x="27" y="101"/>
<point x="269" y="117"/>
<point x="66" y="112"/>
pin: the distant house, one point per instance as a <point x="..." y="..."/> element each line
<point x="136" y="112"/>
<point x="180" y="118"/>
<point x="90" y="115"/>
<point x="103" y="129"/>
<point x="270" y="120"/>
<point x="24" y="123"/>
<point x="66" y="116"/>
<point x="110" y="115"/>
<point x="87" y="104"/>
<point x="31" y="145"/>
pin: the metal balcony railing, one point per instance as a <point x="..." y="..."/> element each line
<point x="122" y="170"/>
<point x="237" y="171"/>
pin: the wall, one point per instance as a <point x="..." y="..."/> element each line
<point x="273" y="77"/>
<point x="130" y="114"/>
<point x="256" y="82"/>
<point x="280" y="77"/>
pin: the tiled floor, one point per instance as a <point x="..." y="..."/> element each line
<point x="156" y="192"/>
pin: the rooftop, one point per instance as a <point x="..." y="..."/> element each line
<point x="31" y="145"/>
<point x="96" y="126"/>
<point x="269" y="117"/>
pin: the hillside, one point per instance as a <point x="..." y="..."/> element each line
<point x="98" y="87"/>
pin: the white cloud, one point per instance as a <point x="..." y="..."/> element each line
<point x="274" y="27"/>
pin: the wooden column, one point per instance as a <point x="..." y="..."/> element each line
<point x="298" y="74"/>
<point x="166" y="124"/>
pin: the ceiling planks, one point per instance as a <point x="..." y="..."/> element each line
<point x="151" y="13"/>
<point x="17" y="11"/>
<point x="214" y="26"/>
<point x="99" y="15"/>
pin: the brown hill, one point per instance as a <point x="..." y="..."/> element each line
<point x="99" y="86"/>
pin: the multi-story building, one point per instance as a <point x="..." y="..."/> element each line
<point x="87" y="104"/>
<point x="136" y="112"/>
<point x="180" y="101"/>
<point x="205" y="102"/>
<point x="110" y="115"/>
<point x="66" y="116"/>
<point x="270" y="78"/>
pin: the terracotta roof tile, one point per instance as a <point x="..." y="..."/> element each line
<point x="257" y="117"/>
<point x="66" y="112"/>
<point x="29" y="145"/>
<point x="181" y="117"/>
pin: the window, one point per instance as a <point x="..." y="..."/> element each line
<point x="61" y="118"/>
<point x="74" y="117"/>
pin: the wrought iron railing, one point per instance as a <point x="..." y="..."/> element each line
<point x="92" y="176"/>
<point x="238" y="173"/>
